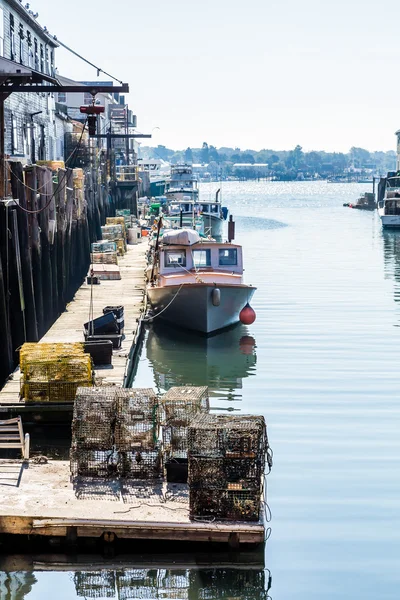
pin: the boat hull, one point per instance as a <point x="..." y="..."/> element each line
<point x="157" y="187"/>
<point x="390" y="221"/>
<point x="191" y="305"/>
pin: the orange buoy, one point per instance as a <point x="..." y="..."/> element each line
<point x="247" y="315"/>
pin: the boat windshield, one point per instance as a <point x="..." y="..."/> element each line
<point x="393" y="182"/>
<point x="209" y="208"/>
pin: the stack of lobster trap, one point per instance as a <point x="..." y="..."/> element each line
<point x="52" y="372"/>
<point x="137" y="434"/>
<point x="226" y="466"/>
<point x="179" y="406"/>
<point x="115" y="434"/>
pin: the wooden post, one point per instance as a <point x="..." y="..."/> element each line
<point x="18" y="190"/>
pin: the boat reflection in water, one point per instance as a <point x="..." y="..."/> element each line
<point x="221" y="362"/>
<point x="391" y="253"/>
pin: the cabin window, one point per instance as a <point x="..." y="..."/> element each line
<point x="228" y="256"/>
<point x="202" y="258"/>
<point x="175" y="258"/>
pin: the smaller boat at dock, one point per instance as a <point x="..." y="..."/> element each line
<point x="211" y="213"/>
<point x="389" y="206"/>
<point x="197" y="283"/>
<point x="365" y="202"/>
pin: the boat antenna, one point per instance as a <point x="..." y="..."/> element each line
<point x="156" y="248"/>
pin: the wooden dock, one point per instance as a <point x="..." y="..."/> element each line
<point x="129" y="292"/>
<point x="41" y="500"/>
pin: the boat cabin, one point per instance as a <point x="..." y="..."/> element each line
<point x="210" y="261"/>
<point x="182" y="178"/>
<point x="391" y="202"/>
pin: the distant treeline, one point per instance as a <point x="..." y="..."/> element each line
<point x="286" y="164"/>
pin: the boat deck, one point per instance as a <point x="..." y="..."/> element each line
<point x="40" y="499"/>
<point x="129" y="292"/>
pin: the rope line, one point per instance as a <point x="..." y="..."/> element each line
<point x="165" y="308"/>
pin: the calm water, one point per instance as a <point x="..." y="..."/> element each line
<point x="322" y="363"/>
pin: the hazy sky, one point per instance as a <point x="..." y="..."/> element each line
<point x="254" y="74"/>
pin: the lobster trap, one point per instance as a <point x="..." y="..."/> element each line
<point x="226" y="466"/>
<point x="53" y="372"/>
<point x="104" y="246"/>
<point x="116" y="221"/>
<point x="94" y="463"/>
<point x="105" y="258"/>
<point x="181" y="404"/>
<point x="175" y="441"/>
<point x="112" y="233"/>
<point x="51" y="391"/>
<point x="93" y="419"/>
<point x="231" y="505"/>
<point x="225" y="473"/>
<point x="243" y="436"/>
<point x="95" y="584"/>
<point x="141" y="464"/>
<point x="137" y="422"/>
<point x="32" y="351"/>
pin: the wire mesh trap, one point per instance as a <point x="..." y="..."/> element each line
<point x="175" y="441"/>
<point x="226" y="466"/>
<point x="225" y="473"/>
<point x="53" y="372"/>
<point x="231" y="505"/>
<point x="181" y="404"/>
<point x="141" y="464"/>
<point x="243" y="436"/>
<point x="95" y="584"/>
<point x="104" y="246"/>
<point x="93" y="418"/>
<point x="137" y="421"/>
<point x="94" y="463"/>
<point x="107" y="258"/>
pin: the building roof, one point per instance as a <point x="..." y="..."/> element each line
<point x="27" y="15"/>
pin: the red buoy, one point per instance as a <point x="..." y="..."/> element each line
<point x="247" y="315"/>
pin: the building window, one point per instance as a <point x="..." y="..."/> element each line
<point x="62" y="97"/>
<point x="46" y="54"/>
<point x="41" y="59"/>
<point x="21" y="43"/>
<point x="202" y="258"/>
<point x="36" y="54"/>
<point x="12" y="38"/>
<point x="87" y="98"/>
<point x="31" y="61"/>
<point x="52" y="67"/>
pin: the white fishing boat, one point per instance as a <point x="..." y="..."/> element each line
<point x="182" y="184"/>
<point x="389" y="207"/>
<point x="212" y="213"/>
<point x="198" y="284"/>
